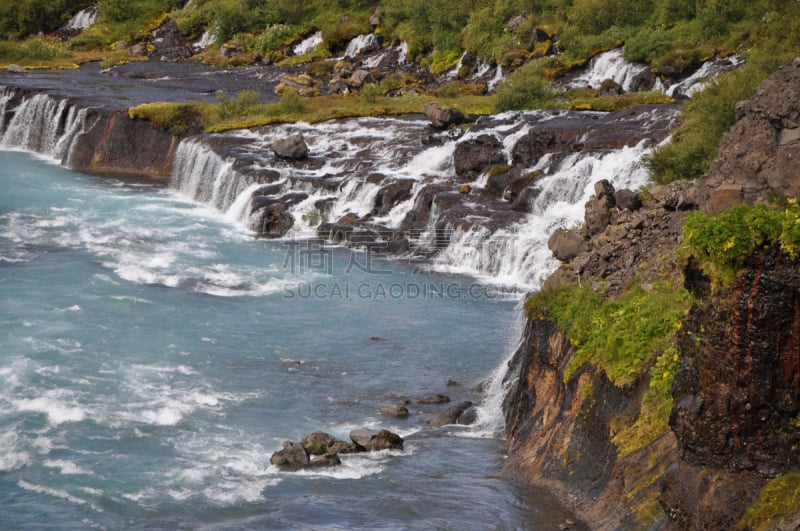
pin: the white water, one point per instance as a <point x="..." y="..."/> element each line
<point x="44" y="125"/>
<point x="609" y="65"/>
<point x="83" y="19"/>
<point x="206" y="39"/>
<point x="704" y="75"/>
<point x="362" y="43"/>
<point x="308" y="44"/>
<point x="498" y="77"/>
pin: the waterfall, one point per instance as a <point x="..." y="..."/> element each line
<point x="308" y="44"/>
<point x="203" y="175"/>
<point x="704" y="75"/>
<point x="362" y="44"/>
<point x="498" y="77"/>
<point x="42" y="124"/>
<point x="609" y="65"/>
<point x="518" y="255"/>
<point x="206" y="39"/>
<point x="83" y="19"/>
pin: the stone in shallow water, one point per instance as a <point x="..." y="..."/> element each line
<point x="373" y="441"/>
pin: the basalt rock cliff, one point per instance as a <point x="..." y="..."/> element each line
<point x="736" y="397"/>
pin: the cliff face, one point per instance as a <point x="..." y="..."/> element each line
<point x="734" y="423"/>
<point x="115" y="145"/>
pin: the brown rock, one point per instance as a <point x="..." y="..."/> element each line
<point x="565" y="244"/>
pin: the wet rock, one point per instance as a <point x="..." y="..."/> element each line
<point x="321" y="443"/>
<point x="16" y="69"/>
<point x="291" y="457"/>
<point x="442" y="116"/>
<point x="475" y="156"/>
<point x="451" y="415"/>
<point x="292" y="147"/>
<point x="324" y="461"/>
<point x="435" y="399"/>
<point x="374" y="441"/>
<point x="347" y="219"/>
<point x="269" y="215"/>
<point x="391" y="195"/>
<point x="565" y="244"/>
<point x="400" y="412"/>
<point x="465" y="189"/>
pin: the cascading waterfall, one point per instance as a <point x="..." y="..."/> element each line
<point x="44" y="125"/>
<point x="204" y="176"/>
<point x="83" y="19"/>
<point x="518" y="255"/>
<point x="609" y="65"/>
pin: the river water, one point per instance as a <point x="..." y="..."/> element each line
<point x="154" y="354"/>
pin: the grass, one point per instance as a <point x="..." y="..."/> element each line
<point x="622" y="335"/>
<point x="779" y="501"/>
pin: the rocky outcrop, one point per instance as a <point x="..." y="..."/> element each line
<point x="758" y="155"/>
<point x="321" y="450"/>
<point x="736" y="398"/>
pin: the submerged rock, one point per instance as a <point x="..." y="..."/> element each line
<point x="400" y="412"/>
<point x="435" y="399"/>
<point x="442" y="116"/>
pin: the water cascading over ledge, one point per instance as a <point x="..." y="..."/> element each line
<point x="397" y="174"/>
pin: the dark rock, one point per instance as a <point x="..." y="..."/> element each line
<point x="451" y="415"/>
<point x="468" y="417"/>
<point x="442" y="116"/>
<point x="628" y="200"/>
<point x="565" y="244"/>
<point x="400" y="412"/>
<point x="435" y="399"/>
<point x="324" y="461"/>
<point x="475" y="156"/>
<point x="321" y="443"/>
<point x="737" y="391"/>
<point x="269" y="215"/>
<point x="291" y="457"/>
<point x="391" y="195"/>
<point x="373" y="441"/>
<point x="761" y="151"/>
<point x="291" y="147"/>
<point x="609" y="87"/>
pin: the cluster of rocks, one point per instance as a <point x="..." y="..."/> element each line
<point x="463" y="412"/>
<point x="321" y="450"/>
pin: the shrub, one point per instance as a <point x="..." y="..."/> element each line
<point x="525" y="88"/>
<point x="704" y="120"/>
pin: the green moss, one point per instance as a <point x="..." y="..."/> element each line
<point x="723" y="242"/>
<point x="620" y="335"/>
<point x="622" y="101"/>
<point x="779" y="501"/>
<point x="498" y="169"/>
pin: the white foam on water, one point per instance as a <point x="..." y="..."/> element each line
<point x="13" y="455"/>
<point x="66" y="467"/>
<point x="53" y="405"/>
<point x="56" y="493"/>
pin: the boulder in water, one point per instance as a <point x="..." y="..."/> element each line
<point x="291" y="457"/>
<point x="400" y="412"/>
<point x="475" y="156"/>
<point x="324" y="461"/>
<point x="451" y="415"/>
<point x="435" y="399"/>
<point x="292" y="147"/>
<point x="321" y="443"/>
<point x="373" y="441"/>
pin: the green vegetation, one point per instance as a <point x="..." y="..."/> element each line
<point x="779" y="501"/>
<point x="245" y="111"/>
<point x="21" y="18"/>
<point x="623" y="336"/>
<point x="620" y="335"/>
<point x="723" y="242"/>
